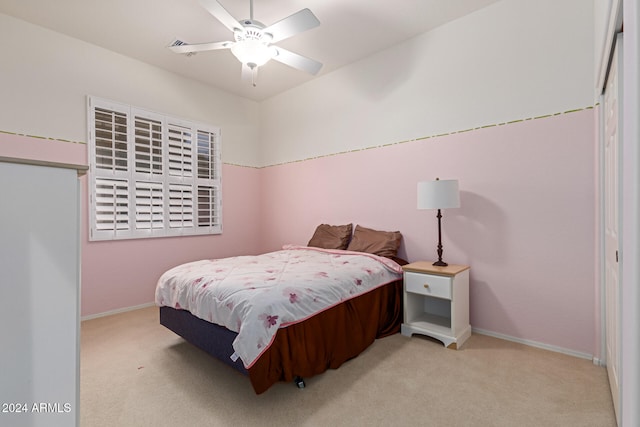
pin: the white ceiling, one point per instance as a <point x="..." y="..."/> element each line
<point x="350" y="30"/>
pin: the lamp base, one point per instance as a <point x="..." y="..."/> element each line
<point x="440" y="263"/>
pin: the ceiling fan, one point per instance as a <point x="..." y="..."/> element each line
<point x="253" y="40"/>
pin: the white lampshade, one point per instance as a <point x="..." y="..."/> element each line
<point x="253" y="52"/>
<point x="438" y="194"/>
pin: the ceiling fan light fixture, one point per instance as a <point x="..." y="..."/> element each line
<point x="252" y="52"/>
<point x="252" y="39"/>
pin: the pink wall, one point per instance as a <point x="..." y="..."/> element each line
<point x="526" y="225"/>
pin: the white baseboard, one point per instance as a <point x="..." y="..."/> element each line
<point x="536" y="344"/>
<point x="119" y="310"/>
<point x="474" y="330"/>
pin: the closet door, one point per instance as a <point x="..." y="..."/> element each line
<point x="612" y="138"/>
<point x="39" y="291"/>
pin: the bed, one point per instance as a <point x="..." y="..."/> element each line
<point x="292" y="313"/>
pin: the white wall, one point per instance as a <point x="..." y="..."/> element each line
<point x="516" y="59"/>
<point x="45" y="78"/>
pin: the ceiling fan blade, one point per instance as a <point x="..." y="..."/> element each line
<point x="221" y="14"/>
<point x="297" y="61"/>
<point x="191" y="48"/>
<point x="291" y="25"/>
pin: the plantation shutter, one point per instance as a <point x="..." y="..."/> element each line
<point x="148" y="145"/>
<point x="112" y="205"/>
<point x="207" y="202"/>
<point x="149" y="205"/>
<point x="181" y="206"/>
<point x="208" y="180"/>
<point x="111" y="140"/>
<point x="180" y="151"/>
<point x="151" y="175"/>
<point x="206" y="155"/>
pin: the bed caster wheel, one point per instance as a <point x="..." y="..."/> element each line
<point x="299" y="382"/>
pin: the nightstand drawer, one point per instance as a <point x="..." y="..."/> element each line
<point x="427" y="284"/>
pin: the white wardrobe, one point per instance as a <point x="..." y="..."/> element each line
<point x="39" y="294"/>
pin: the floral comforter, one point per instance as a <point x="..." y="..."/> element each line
<point x="256" y="295"/>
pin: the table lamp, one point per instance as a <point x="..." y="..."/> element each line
<point x="438" y="194"/>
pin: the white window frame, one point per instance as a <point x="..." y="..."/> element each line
<point x="173" y="187"/>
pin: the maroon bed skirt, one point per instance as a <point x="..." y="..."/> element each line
<point x="308" y="348"/>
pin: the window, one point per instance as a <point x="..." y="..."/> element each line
<point x="151" y="175"/>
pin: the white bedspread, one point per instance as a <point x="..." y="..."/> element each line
<point x="256" y="295"/>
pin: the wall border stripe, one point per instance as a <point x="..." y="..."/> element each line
<point x="422" y="138"/>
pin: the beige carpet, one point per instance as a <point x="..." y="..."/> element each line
<point x="135" y="372"/>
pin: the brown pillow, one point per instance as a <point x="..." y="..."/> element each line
<point x="331" y="236"/>
<point x="382" y="243"/>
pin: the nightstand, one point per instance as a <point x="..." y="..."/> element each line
<point x="436" y="302"/>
